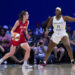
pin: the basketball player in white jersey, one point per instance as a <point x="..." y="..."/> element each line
<point x="59" y="25"/>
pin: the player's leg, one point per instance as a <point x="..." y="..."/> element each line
<point x="9" y="54"/>
<point x="66" y="43"/>
<point x="54" y="41"/>
<point x="51" y="45"/>
<point x="55" y="50"/>
<point x="26" y="47"/>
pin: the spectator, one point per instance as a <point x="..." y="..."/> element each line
<point x="4" y="39"/>
<point x="46" y="39"/>
<point x="31" y="37"/>
<point x="31" y="59"/>
<point x="7" y="29"/>
<point x="39" y="32"/>
<point x="69" y="30"/>
<point x="2" y="50"/>
<point x="10" y="31"/>
<point x="40" y="52"/>
<point x="61" y="50"/>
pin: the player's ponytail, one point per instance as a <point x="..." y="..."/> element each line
<point x="21" y="15"/>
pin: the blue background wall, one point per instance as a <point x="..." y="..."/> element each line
<point x="39" y="10"/>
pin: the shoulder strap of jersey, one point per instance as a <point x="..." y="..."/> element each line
<point x="62" y="17"/>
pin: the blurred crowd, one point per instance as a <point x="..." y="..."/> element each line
<point x="39" y="45"/>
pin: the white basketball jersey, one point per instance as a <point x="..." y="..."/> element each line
<point x="59" y="25"/>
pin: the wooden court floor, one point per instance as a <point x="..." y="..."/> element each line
<point x="61" y="69"/>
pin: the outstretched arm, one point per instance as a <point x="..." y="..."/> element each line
<point x="70" y="19"/>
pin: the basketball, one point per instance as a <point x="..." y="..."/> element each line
<point x="15" y="36"/>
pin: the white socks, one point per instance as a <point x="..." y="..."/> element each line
<point x="25" y="62"/>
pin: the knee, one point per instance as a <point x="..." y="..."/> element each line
<point x="28" y="50"/>
<point x="62" y="50"/>
<point x="55" y="49"/>
<point x="67" y="46"/>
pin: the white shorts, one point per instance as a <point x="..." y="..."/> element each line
<point x="56" y="37"/>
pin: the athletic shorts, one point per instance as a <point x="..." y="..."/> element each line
<point x="56" y="37"/>
<point x="17" y="43"/>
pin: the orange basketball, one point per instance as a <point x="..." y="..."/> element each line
<point x="15" y="36"/>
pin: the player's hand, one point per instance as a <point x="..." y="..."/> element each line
<point x="12" y="34"/>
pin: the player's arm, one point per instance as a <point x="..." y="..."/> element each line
<point x="49" y="25"/>
<point x="26" y="32"/>
<point x="15" y="26"/>
<point x="70" y="19"/>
